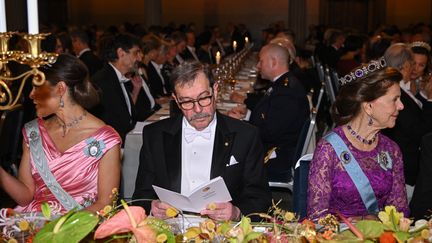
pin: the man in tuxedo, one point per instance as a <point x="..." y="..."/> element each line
<point x="118" y="93"/>
<point x="421" y="203"/>
<point x="80" y="44"/>
<point x="281" y="113"/>
<point x="189" y="52"/>
<point x="183" y="152"/>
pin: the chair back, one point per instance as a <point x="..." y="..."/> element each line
<point x="305" y="137"/>
<point x="11" y="123"/>
<point x="331" y="94"/>
<point x="300" y="186"/>
<point x="335" y="80"/>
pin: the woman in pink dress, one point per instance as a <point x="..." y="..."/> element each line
<point x="70" y="159"/>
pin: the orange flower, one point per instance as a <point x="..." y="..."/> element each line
<point x="328" y="234"/>
<point x="387" y="237"/>
<point x="308" y="223"/>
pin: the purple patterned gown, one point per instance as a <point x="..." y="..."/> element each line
<point x="331" y="189"/>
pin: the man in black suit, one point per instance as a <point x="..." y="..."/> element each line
<point x="118" y="93"/>
<point x="421" y="203"/>
<point x="80" y="44"/>
<point x="415" y="120"/>
<point x="185" y="151"/>
<point x="281" y="113"/>
<point x="190" y="52"/>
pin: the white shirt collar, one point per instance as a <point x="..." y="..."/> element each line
<point x="157" y="66"/>
<point x="407" y="88"/>
<point x="120" y="76"/>
<point x="82" y="52"/>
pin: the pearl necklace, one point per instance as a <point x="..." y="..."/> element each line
<point x="360" y="138"/>
<point x="74" y="122"/>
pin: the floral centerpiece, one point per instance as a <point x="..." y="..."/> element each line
<point x="124" y="223"/>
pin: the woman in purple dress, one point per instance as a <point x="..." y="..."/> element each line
<point x="356" y="170"/>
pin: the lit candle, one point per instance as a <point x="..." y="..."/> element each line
<point x="32" y="17"/>
<point x="234" y="45"/>
<point x="2" y="16"/>
<point x="246" y="40"/>
<point x="218" y="57"/>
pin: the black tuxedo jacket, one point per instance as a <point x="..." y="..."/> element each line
<point x="143" y="105"/>
<point x="92" y="62"/>
<point x="280" y="116"/>
<point x="205" y="56"/>
<point x="160" y="162"/>
<point x="421" y="203"/>
<point x="155" y="82"/>
<point x="411" y="125"/>
<point x="187" y="55"/>
<point x="113" y="108"/>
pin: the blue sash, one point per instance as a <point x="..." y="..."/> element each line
<point x="37" y="153"/>
<point x="353" y="169"/>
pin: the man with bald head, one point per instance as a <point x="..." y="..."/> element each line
<point x="281" y="113"/>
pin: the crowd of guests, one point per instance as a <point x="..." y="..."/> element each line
<point x="103" y="82"/>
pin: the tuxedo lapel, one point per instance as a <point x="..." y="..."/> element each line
<point x="224" y="140"/>
<point x="172" y="149"/>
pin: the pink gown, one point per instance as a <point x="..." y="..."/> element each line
<point x="76" y="170"/>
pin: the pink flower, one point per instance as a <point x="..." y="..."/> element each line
<point x="125" y="221"/>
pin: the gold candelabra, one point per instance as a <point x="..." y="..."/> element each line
<point x="34" y="58"/>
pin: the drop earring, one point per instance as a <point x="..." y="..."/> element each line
<point x="370" y="122"/>
<point x="61" y="102"/>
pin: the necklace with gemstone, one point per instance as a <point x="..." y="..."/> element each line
<point x="360" y="138"/>
<point x="74" y="122"/>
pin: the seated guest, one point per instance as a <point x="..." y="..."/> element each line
<point x="117" y="106"/>
<point x="420" y="73"/>
<point x="80" y="44"/>
<point x="182" y="152"/>
<point x="159" y="84"/>
<point x="415" y="120"/>
<point x="421" y="203"/>
<point x="189" y="52"/>
<point x="281" y="113"/>
<point x="151" y="47"/>
<point x="350" y="55"/>
<point x="70" y="157"/>
<point x="355" y="169"/>
<point x="179" y="39"/>
<point x="204" y="51"/>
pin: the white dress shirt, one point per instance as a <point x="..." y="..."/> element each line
<point x="179" y="58"/>
<point x="148" y="93"/>
<point x="158" y="68"/>
<point x="196" y="157"/>
<point x="122" y="79"/>
<point x="407" y="88"/>
<point x="192" y="50"/>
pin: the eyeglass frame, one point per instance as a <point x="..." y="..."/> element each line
<point x="193" y="101"/>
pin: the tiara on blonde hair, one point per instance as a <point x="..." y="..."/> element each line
<point x="421" y="44"/>
<point x="363" y="71"/>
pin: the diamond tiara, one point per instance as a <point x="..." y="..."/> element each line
<point x="421" y="44"/>
<point x="358" y="73"/>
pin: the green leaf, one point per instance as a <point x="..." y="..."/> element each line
<point x="225" y="227"/>
<point x="245" y="225"/>
<point x="75" y="226"/>
<point x="401" y="236"/>
<point x="251" y="236"/>
<point x="371" y="229"/>
<point x="46" y="210"/>
<point x="393" y="220"/>
<point x="160" y="227"/>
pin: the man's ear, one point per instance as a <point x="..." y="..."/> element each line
<point x="120" y="52"/>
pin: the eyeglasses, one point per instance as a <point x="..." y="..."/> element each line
<point x="190" y="104"/>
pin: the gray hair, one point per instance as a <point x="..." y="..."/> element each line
<point x="187" y="72"/>
<point x="397" y="54"/>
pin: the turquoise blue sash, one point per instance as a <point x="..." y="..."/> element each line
<point x="353" y="169"/>
<point x="39" y="159"/>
